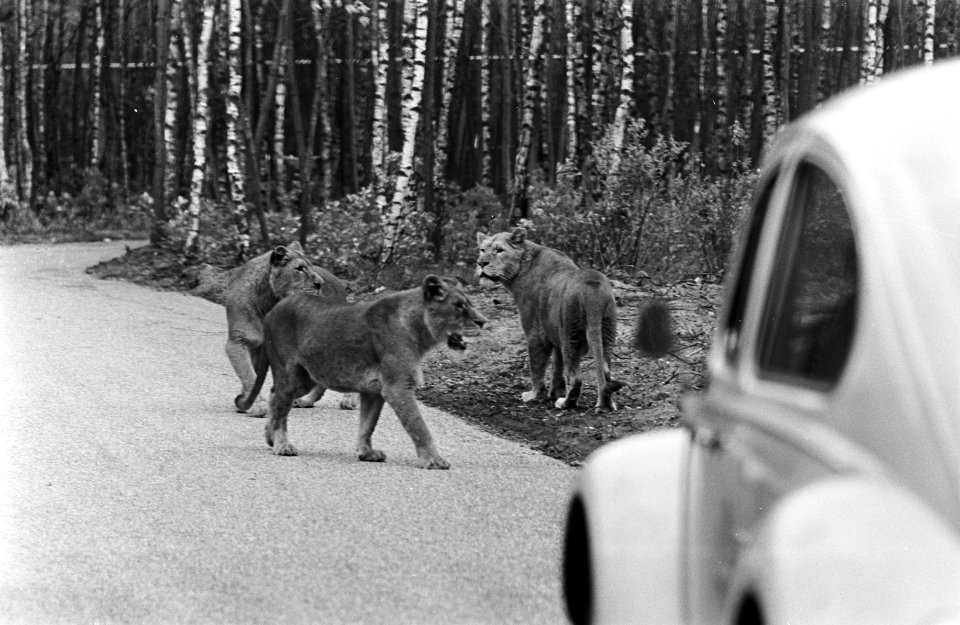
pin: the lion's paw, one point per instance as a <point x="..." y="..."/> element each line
<point x="372" y="455"/>
<point x="258" y="410"/>
<point x="348" y="402"/>
<point x="529" y="396"/>
<point x="434" y="462"/>
<point x="285" y="449"/>
<point x="304" y="402"/>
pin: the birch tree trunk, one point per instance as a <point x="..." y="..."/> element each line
<point x="122" y="82"/>
<point x="868" y="58"/>
<point x="234" y="137"/>
<point x="626" y="79"/>
<point x="721" y="122"/>
<point x="486" y="51"/>
<point x="573" y="27"/>
<point x="380" y="61"/>
<point x="174" y="61"/>
<point x="929" y="23"/>
<point x="670" y="33"/>
<point x="24" y="152"/>
<point x="453" y="26"/>
<point x="159" y="233"/>
<point x="40" y="111"/>
<point x="771" y="104"/>
<point x="326" y="170"/>
<point x="97" y="130"/>
<point x="533" y="69"/>
<point x="416" y="13"/>
<point x="280" y="99"/>
<point x="7" y="193"/>
<point x="698" y="144"/>
<point x="826" y="21"/>
<point x="199" y="118"/>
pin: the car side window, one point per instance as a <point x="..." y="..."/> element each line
<point x="810" y="315"/>
<point x="733" y="323"/>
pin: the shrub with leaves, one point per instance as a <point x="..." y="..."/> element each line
<point x="647" y="208"/>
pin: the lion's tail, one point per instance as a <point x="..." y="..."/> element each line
<point x="601" y="337"/>
<point x="260" y="366"/>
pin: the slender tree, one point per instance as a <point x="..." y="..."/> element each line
<point x="159" y="233"/>
<point x="868" y="59"/>
<point x="97" y="126"/>
<point x="234" y="131"/>
<point x="122" y="85"/>
<point x="6" y="193"/>
<point x="929" y="30"/>
<point x="379" y="60"/>
<point x="416" y="16"/>
<point x="670" y="34"/>
<point x="453" y="27"/>
<point x="721" y="95"/>
<point x="486" y="51"/>
<point x="572" y="28"/>
<point x="175" y="60"/>
<point x="626" y="80"/>
<point x="771" y="102"/>
<point x="533" y="70"/>
<point x="199" y="117"/>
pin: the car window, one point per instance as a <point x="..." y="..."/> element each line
<point x="733" y="322"/>
<point x="810" y="314"/>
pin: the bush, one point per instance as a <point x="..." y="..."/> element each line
<point x="654" y="213"/>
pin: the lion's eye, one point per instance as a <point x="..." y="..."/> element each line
<point x="302" y="268"/>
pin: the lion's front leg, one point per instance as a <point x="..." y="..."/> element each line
<point x="539" y="354"/>
<point x="281" y="401"/>
<point x="404" y="402"/>
<point x="370" y="406"/>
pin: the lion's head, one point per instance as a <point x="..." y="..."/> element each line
<point x="448" y="311"/>
<point x="292" y="272"/>
<point x="500" y="256"/>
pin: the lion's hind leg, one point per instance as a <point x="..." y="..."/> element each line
<point x="370" y="406"/>
<point x="572" y="376"/>
<point x="310" y="399"/>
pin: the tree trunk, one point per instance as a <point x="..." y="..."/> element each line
<point x="416" y="14"/>
<point x="199" y="118"/>
<point x="380" y="61"/>
<point x="533" y="69"/>
<point x="868" y="58"/>
<point x="929" y="24"/>
<point x="350" y="95"/>
<point x="573" y="28"/>
<point x="326" y="184"/>
<point x="486" y="51"/>
<point x="97" y="130"/>
<point x="626" y="79"/>
<point x="721" y="122"/>
<point x="170" y="140"/>
<point x="122" y="109"/>
<point x="771" y="103"/>
<point x="670" y="33"/>
<point x="453" y="26"/>
<point x="7" y="193"/>
<point x="280" y="105"/>
<point x="159" y="233"/>
<point x="234" y="137"/>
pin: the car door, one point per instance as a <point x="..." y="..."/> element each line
<point x="782" y="344"/>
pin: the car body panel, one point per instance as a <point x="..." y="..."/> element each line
<point x="622" y="519"/>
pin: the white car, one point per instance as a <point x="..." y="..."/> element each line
<point x="816" y="478"/>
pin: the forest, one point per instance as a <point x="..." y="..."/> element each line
<point x="382" y="132"/>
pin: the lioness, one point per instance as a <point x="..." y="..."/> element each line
<point x="564" y="310"/>
<point x="374" y="348"/>
<point x="253" y="289"/>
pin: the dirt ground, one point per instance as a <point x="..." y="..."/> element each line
<point x="485" y="387"/>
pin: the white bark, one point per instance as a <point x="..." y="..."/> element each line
<point x="234" y="137"/>
<point x="626" y="78"/>
<point x="199" y="122"/>
<point x="403" y="202"/>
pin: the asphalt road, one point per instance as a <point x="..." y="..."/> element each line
<point x="131" y="492"/>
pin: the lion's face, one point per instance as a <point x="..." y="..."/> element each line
<point x="448" y="311"/>
<point x="292" y="272"/>
<point x="500" y="255"/>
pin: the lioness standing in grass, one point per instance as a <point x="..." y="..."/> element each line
<point x="564" y="310"/>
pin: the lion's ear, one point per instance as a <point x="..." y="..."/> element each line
<point x="280" y="256"/>
<point x="518" y="235"/>
<point x="481" y="237"/>
<point x="433" y="288"/>
<point x="295" y="247"/>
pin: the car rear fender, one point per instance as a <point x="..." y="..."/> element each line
<point x="631" y="492"/>
<point x="853" y="550"/>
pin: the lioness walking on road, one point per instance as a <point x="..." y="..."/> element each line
<point x="253" y="290"/>
<point x="564" y="311"/>
<point x="374" y="348"/>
